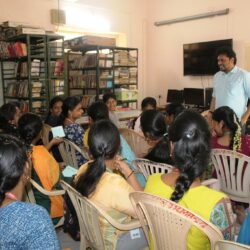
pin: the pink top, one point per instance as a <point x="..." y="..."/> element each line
<point x="245" y="144"/>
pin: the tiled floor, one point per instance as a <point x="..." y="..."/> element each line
<point x="66" y="241"/>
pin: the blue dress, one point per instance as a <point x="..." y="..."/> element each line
<point x="26" y="226"/>
<point x="74" y="132"/>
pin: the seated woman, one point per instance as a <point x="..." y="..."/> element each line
<point x="172" y="110"/>
<point x="146" y="104"/>
<point x="45" y="169"/>
<point x="9" y="116"/>
<point x="72" y="110"/>
<point x="22" y="225"/>
<point x="154" y="128"/>
<point x="54" y="117"/>
<point x="98" y="111"/>
<point x="110" y="100"/>
<point x="228" y="131"/>
<point x="97" y="181"/>
<point x="189" y="136"/>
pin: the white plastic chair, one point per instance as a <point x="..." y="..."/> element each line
<point x="233" y="173"/>
<point x="88" y="214"/>
<point x="45" y="133"/>
<point x="29" y="195"/>
<point x="136" y="141"/>
<point x="230" y="245"/>
<point x="68" y="152"/>
<point x="169" y="223"/>
<point x="149" y="167"/>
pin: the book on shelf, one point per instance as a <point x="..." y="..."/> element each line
<point x="58" y="87"/>
<point x="58" y="67"/>
<point x="87" y="100"/>
<point x="36" y="89"/>
<point x="35" y="67"/>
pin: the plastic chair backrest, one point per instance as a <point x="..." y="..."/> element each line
<point x="230" y="245"/>
<point x="168" y="222"/>
<point x="68" y="152"/>
<point x="89" y="214"/>
<point x="88" y="217"/>
<point x="233" y="172"/>
<point x="28" y="195"/>
<point x="136" y="141"/>
<point x="45" y="133"/>
<point x="149" y="167"/>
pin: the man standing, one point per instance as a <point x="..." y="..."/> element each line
<point x="231" y="85"/>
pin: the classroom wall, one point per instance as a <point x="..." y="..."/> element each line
<point x="160" y="48"/>
<point x="125" y="16"/>
<point x="165" y="43"/>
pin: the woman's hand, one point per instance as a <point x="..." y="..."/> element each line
<point x="122" y="166"/>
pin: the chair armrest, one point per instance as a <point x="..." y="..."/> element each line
<point x="46" y="192"/>
<point x="134" y="223"/>
<point x="212" y="183"/>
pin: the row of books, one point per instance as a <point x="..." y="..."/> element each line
<point x="126" y="76"/>
<point x="90" y="60"/>
<point x="20" y="69"/>
<point x="21" y="89"/>
<point x="57" y="67"/>
<point x="88" y="79"/>
<point x="87" y="100"/>
<point x="58" y="87"/>
<point x="125" y="58"/>
<point x="12" y="50"/>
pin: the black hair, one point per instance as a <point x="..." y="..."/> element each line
<point x="69" y="104"/>
<point x="228" y="116"/>
<point x="16" y="104"/>
<point x="107" y="96"/>
<point x="228" y="51"/>
<point x="190" y="136"/>
<point x="12" y="163"/>
<point x="174" y="109"/>
<point x="154" y="127"/>
<point x="53" y="101"/>
<point x="29" y="127"/>
<point x="98" y="111"/>
<point x="7" y="112"/>
<point x="148" y="101"/>
<point x="153" y="124"/>
<point x="104" y="143"/>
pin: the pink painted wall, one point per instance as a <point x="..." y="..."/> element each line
<point x="160" y="48"/>
<point x="164" y="68"/>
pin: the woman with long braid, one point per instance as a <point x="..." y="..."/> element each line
<point x="189" y="137"/>
<point x="228" y="131"/>
<point x="98" y="181"/>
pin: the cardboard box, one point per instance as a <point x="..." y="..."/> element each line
<point x="126" y="94"/>
<point x="83" y="41"/>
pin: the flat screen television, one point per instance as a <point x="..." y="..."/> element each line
<point x="200" y="58"/>
<point x="193" y="96"/>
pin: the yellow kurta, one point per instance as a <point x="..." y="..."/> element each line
<point x="201" y="200"/>
<point x="112" y="195"/>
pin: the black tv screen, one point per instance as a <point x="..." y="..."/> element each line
<point x="200" y="58"/>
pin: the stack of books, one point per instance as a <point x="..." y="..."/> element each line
<point x="36" y="89"/>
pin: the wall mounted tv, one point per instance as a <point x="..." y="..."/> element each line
<point x="200" y="58"/>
